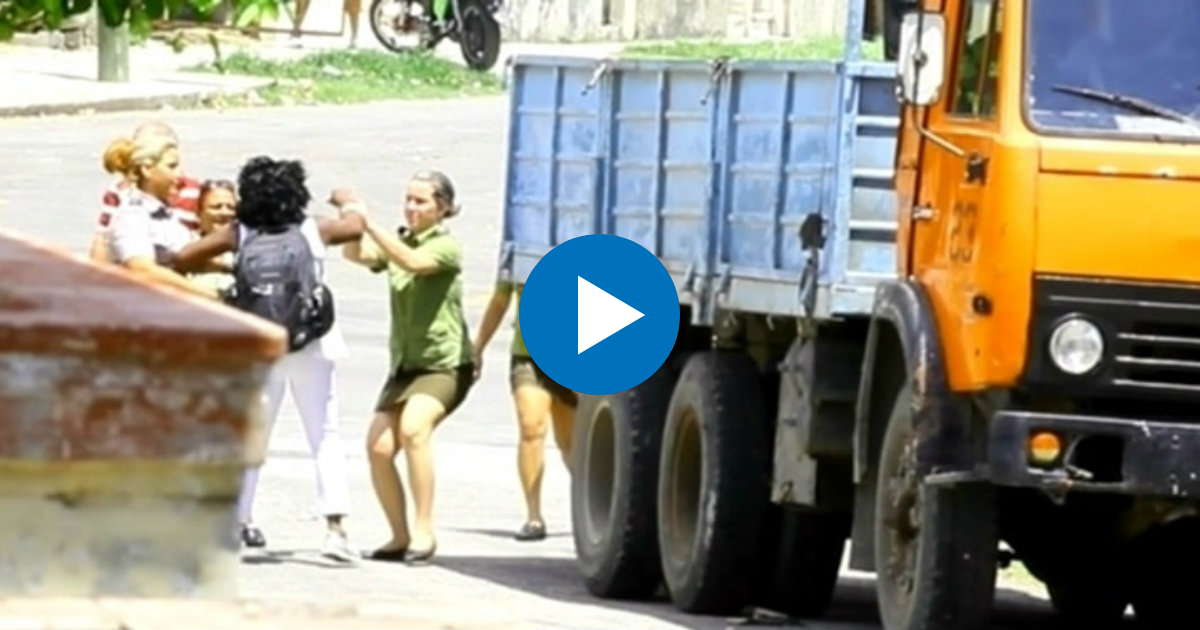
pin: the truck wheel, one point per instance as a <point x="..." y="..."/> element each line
<point x="935" y="546"/>
<point x="616" y="445"/>
<point x="803" y="569"/>
<point x="713" y="487"/>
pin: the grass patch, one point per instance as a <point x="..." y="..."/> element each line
<point x="1017" y="577"/>
<point x="345" y="76"/>
<point x="819" y="48"/>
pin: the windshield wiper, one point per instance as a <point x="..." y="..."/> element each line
<point x="1131" y="103"/>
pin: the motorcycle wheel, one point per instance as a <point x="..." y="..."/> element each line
<point x="479" y="36"/>
<point x="386" y="29"/>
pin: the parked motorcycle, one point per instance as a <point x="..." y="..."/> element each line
<point x="470" y="23"/>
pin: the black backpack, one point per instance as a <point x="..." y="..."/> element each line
<point x="275" y="278"/>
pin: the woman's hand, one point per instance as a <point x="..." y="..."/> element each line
<point x="342" y="196"/>
<point x="477" y="359"/>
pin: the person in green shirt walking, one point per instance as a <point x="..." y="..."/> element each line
<point x="538" y="398"/>
<point x="430" y="369"/>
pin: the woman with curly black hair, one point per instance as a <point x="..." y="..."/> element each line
<point x="273" y="198"/>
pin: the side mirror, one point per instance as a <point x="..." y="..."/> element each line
<point x="922" y="60"/>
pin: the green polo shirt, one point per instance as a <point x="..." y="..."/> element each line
<point x="518" y="342"/>
<point x="429" y="330"/>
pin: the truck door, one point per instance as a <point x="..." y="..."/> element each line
<point x="950" y="190"/>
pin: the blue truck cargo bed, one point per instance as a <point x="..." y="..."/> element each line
<point x="711" y="167"/>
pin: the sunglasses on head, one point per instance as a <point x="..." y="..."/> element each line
<point x="210" y="184"/>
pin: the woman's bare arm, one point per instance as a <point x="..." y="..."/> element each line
<point x="198" y="256"/>
<point x="347" y="229"/>
<point x="147" y="269"/>
<point x="492" y="316"/>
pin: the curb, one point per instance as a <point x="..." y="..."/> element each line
<point x="129" y="103"/>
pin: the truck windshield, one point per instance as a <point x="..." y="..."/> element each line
<point x="1114" y="66"/>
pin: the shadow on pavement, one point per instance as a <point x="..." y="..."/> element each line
<point x="310" y="558"/>
<point x="854" y="603"/>
<point x="495" y="532"/>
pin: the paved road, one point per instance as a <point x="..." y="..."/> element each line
<point x="49" y="189"/>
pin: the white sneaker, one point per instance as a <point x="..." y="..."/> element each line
<point x="337" y="547"/>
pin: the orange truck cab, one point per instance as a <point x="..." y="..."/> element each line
<point x="943" y="307"/>
<point x="1047" y="174"/>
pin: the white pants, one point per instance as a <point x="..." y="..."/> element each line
<point x="311" y="377"/>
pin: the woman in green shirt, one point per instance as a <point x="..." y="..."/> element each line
<point x="430" y="371"/>
<point x="538" y="398"/>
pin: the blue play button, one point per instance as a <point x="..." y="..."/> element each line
<point x="599" y="314"/>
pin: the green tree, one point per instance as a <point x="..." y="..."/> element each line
<point x="139" y="15"/>
<point x="119" y="18"/>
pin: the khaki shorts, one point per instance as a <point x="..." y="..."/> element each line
<point x="448" y="386"/>
<point x="523" y="371"/>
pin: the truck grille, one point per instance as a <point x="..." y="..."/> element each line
<point x="1152" y="333"/>
<point x="1157" y="355"/>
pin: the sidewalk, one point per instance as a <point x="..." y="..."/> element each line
<point x="51" y="81"/>
<point x="146" y="614"/>
<point x="56" y="81"/>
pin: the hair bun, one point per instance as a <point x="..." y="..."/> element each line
<point x="118" y="156"/>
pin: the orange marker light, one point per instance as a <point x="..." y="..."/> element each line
<point x="1044" y="447"/>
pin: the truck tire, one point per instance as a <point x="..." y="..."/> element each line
<point x="616" y="445"/>
<point x="935" y="546"/>
<point x="802" y="566"/>
<point x="713" y="483"/>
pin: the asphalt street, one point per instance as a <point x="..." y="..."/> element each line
<point x="50" y="189"/>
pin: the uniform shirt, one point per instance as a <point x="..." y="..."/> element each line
<point x="185" y="202"/>
<point x="143" y="226"/>
<point x="504" y="287"/>
<point x="428" y="328"/>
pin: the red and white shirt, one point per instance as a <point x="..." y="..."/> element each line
<point x="184" y="204"/>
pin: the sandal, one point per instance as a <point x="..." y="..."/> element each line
<point x="421" y="556"/>
<point x="531" y="531"/>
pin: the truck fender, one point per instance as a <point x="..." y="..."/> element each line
<point x="903" y="344"/>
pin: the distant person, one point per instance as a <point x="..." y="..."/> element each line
<point x="351" y="10"/>
<point x="538" y="399"/>
<point x="429" y="371"/>
<point x="271" y="225"/>
<point x="182" y="201"/>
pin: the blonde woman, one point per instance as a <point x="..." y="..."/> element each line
<point x="114" y="160"/>
<point x="145" y="232"/>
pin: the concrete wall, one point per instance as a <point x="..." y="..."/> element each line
<point x="581" y="20"/>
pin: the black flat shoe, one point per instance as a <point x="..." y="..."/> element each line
<point x="253" y="537"/>
<point x="387" y="555"/>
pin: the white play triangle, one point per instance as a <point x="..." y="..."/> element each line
<point x="601" y="315"/>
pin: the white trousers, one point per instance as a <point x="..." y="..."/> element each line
<point x="311" y="378"/>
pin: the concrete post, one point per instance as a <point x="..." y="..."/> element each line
<point x="127" y="415"/>
<point x="113" y="47"/>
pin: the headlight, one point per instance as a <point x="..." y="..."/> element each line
<point x="1076" y="346"/>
